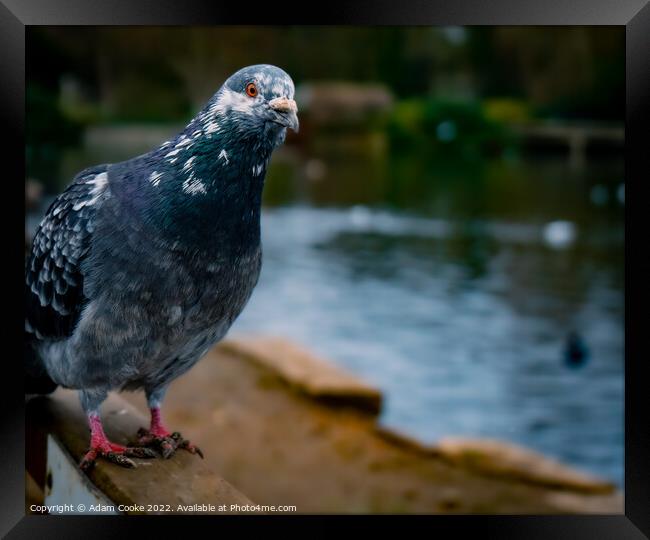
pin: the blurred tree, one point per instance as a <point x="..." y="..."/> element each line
<point x="167" y="73"/>
<point x="575" y="72"/>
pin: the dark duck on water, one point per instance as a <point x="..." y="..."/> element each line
<point x="139" y="267"/>
<point x="576" y="352"/>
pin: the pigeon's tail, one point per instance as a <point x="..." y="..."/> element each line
<point x="37" y="381"/>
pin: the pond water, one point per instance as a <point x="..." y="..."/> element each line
<point x="456" y="296"/>
<point x="454" y="286"/>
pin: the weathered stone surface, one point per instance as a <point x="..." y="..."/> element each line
<point x="402" y="440"/>
<point x="185" y="479"/>
<point x="507" y="460"/>
<point x="280" y="448"/>
<point x="275" y="446"/>
<point x="307" y="373"/>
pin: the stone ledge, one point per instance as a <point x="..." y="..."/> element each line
<point x="317" y="378"/>
<point x="306" y="373"/>
<point x="184" y="479"/>
<point x="506" y="460"/>
<point x="501" y="459"/>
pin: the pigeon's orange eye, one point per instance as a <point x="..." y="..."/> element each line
<point x="251" y="89"/>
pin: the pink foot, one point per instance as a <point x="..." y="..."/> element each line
<point x="159" y="437"/>
<point x="100" y="446"/>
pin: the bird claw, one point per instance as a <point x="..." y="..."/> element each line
<point x="88" y="461"/>
<point x="168" y="444"/>
<point x="186" y="445"/>
<point x="140" y="452"/>
<point x="119" y="458"/>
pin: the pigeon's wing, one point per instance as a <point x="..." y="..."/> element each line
<point x="54" y="295"/>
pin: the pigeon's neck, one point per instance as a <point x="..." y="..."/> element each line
<point x="203" y="190"/>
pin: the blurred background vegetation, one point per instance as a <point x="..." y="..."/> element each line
<point x="448" y="223"/>
<point x="477" y="80"/>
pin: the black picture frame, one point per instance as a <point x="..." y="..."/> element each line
<point x="16" y="15"/>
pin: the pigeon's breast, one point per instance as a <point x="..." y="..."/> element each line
<point x="191" y="293"/>
<point x="208" y="297"/>
<point x="217" y="291"/>
<point x="155" y="306"/>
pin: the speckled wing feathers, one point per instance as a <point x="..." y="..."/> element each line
<point x="54" y="282"/>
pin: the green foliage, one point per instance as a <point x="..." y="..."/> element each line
<point x="46" y="122"/>
<point x="48" y="131"/>
<point x="507" y="110"/>
<point x="447" y="128"/>
<point x="280" y="183"/>
<point x="155" y="96"/>
<point x="606" y="103"/>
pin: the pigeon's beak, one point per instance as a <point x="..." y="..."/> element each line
<point x="287" y="112"/>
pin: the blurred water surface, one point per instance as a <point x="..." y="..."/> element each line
<point x="453" y="285"/>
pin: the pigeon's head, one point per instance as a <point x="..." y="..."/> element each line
<point x="255" y="101"/>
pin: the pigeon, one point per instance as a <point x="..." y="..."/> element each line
<point x="139" y="267"/>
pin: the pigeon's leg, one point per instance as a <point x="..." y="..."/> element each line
<point x="158" y="435"/>
<point x="100" y="446"/>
